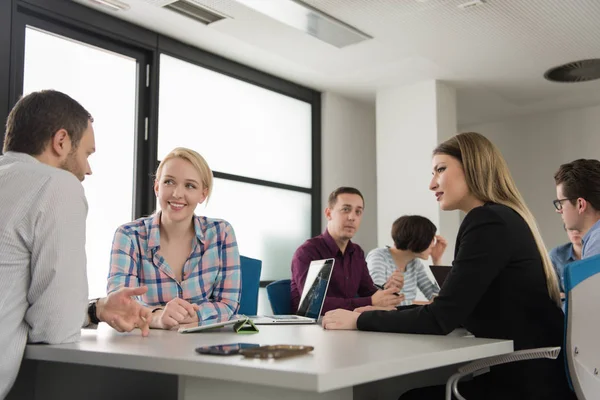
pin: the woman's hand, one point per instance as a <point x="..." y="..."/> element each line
<point x="387" y="297"/>
<point x="361" y="310"/>
<point x="175" y="313"/>
<point x="438" y="250"/>
<point x="396" y="280"/>
<point x="340" y="319"/>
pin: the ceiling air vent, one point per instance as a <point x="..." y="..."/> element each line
<point x="195" y="11"/>
<point x="577" y="71"/>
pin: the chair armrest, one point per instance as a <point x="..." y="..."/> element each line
<point x="475" y="366"/>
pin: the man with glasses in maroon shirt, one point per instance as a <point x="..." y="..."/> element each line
<point x="350" y="285"/>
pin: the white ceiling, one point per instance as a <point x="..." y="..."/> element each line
<point x="495" y="54"/>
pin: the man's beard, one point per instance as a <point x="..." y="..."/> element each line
<point x="70" y="164"/>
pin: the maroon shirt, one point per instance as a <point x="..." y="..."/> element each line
<point x="350" y="285"/>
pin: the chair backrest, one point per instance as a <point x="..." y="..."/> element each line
<point x="582" y="285"/>
<point x="280" y="297"/>
<point x="250" y="283"/>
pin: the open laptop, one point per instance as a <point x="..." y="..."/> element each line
<point x="313" y="297"/>
<point x="440" y="273"/>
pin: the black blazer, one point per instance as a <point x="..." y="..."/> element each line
<point x="496" y="289"/>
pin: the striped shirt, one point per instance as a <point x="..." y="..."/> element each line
<point x="44" y="289"/>
<point x="211" y="273"/>
<point x="382" y="265"/>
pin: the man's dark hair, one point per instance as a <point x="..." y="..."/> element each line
<point x="36" y="118"/>
<point x="580" y="178"/>
<point x="343" y="190"/>
<point x="413" y="232"/>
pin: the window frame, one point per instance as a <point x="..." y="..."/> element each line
<point x="25" y="14"/>
<point x="75" y="21"/>
<point x="203" y="59"/>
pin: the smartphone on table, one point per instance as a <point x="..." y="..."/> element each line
<point x="225" y="349"/>
<point x="276" y="351"/>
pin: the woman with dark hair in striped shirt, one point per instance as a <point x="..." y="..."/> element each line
<point x="414" y="240"/>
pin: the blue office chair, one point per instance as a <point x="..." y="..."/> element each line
<point x="582" y="353"/>
<point x="280" y="297"/>
<point x="250" y="282"/>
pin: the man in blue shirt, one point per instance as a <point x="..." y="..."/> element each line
<point x="565" y="254"/>
<point x="578" y="201"/>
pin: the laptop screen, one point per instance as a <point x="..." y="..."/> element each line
<point x="315" y="288"/>
<point x="440" y="273"/>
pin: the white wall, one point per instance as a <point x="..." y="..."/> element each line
<point x="535" y="146"/>
<point x="348" y="157"/>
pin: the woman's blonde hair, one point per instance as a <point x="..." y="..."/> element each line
<point x="489" y="180"/>
<point x="197" y="161"/>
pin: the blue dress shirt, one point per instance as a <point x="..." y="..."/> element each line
<point x="561" y="256"/>
<point x="591" y="241"/>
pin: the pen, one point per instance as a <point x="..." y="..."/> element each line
<point x="382" y="288"/>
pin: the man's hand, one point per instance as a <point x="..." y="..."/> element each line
<point x="386" y="298"/>
<point x="177" y="312"/>
<point x="438" y="250"/>
<point x="123" y="312"/>
<point x="396" y="280"/>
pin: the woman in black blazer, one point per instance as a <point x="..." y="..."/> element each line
<point x="502" y="284"/>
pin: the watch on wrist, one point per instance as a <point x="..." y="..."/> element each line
<point x="92" y="312"/>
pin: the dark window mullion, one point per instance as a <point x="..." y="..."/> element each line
<point x="260" y="182"/>
<point x="316" y="165"/>
<point x="151" y="145"/>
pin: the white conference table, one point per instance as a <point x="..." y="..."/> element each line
<point x="344" y="364"/>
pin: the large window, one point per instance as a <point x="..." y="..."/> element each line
<point x="148" y="94"/>
<point x="258" y="142"/>
<point x="111" y="99"/>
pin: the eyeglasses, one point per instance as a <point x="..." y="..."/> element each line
<point x="558" y="203"/>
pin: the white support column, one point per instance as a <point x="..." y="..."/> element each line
<point x="411" y="122"/>
<point x="348" y="158"/>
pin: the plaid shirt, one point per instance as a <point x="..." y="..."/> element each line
<point x="211" y="273"/>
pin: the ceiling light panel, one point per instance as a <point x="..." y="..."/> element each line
<point x="113" y="5"/>
<point x="309" y="20"/>
<point x="195" y="11"/>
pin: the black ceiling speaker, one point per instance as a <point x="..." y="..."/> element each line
<point x="576" y="71"/>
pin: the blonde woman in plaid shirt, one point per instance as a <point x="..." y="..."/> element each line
<point x="190" y="264"/>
